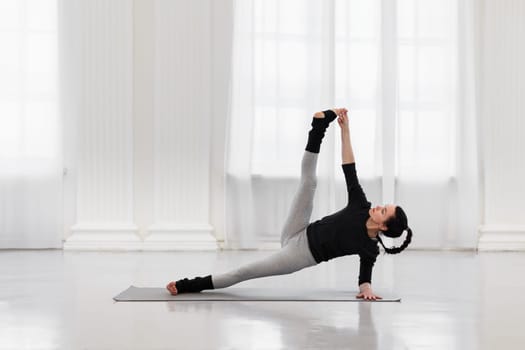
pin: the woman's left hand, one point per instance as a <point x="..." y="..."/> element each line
<point x="367" y="293"/>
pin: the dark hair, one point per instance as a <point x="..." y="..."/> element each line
<point x="396" y="225"/>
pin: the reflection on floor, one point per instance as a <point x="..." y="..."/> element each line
<point x="451" y="300"/>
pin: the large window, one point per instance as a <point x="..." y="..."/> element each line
<point x="307" y="54"/>
<point x="28" y="83"/>
<point x="30" y="137"/>
<point x="427" y="70"/>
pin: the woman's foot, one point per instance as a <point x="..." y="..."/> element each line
<point x="172" y="288"/>
<point x="338" y="112"/>
<point x="194" y="285"/>
<point x="320" y="123"/>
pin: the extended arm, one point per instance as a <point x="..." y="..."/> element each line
<point x="347" y="152"/>
<point x="356" y="196"/>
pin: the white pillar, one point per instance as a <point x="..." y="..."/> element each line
<point x="182" y="129"/>
<point x="502" y="109"/>
<point x="104" y="194"/>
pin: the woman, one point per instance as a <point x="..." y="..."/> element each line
<point x="353" y="230"/>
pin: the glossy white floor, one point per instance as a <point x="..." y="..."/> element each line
<point x="63" y="300"/>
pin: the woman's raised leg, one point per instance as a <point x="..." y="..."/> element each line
<point x="302" y="204"/>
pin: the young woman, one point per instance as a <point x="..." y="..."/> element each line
<point x="352" y="230"/>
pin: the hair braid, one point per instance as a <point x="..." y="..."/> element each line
<point x="397" y="250"/>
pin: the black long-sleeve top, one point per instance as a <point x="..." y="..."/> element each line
<point x="344" y="232"/>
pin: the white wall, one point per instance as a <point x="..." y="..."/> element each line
<point x="502" y="96"/>
<point x="147" y="98"/>
<point x="139" y="99"/>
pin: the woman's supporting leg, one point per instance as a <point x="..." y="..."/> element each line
<point x="293" y="257"/>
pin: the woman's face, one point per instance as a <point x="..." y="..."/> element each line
<point x="381" y="214"/>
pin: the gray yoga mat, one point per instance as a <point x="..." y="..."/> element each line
<point x="244" y="294"/>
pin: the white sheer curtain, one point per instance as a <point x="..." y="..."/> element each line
<point x="403" y="68"/>
<point x="30" y="147"/>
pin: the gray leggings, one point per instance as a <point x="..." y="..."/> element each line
<point x="295" y="253"/>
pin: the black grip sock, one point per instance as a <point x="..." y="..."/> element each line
<point x="329" y="115"/>
<point x="316" y="134"/>
<point x="315" y="137"/>
<point x="194" y="285"/>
